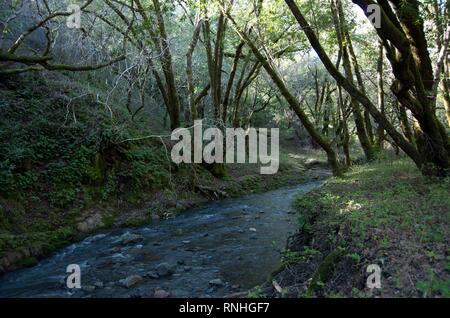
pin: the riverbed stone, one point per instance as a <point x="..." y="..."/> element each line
<point x="128" y="238"/>
<point x="152" y="275"/>
<point x="92" y="221"/>
<point x="132" y="281"/>
<point x="187" y="268"/>
<point x="216" y="282"/>
<point x="99" y="284"/>
<point x="88" y="288"/>
<point x="161" y="293"/>
<point x="164" y="270"/>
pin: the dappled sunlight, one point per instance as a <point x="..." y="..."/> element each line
<point x="350" y="206"/>
<point x="295" y="156"/>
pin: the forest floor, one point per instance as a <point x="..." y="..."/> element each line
<point x="383" y="213"/>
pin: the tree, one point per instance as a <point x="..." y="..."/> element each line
<point x="290" y="98"/>
<point x="411" y="63"/>
<point x="44" y="60"/>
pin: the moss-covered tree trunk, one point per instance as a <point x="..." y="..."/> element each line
<point x="432" y="154"/>
<point x="293" y="102"/>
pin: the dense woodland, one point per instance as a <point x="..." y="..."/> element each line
<point x="87" y="110"/>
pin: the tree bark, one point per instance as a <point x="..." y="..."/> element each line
<point x="190" y="77"/>
<point x="351" y="89"/>
<point x="403" y="36"/>
<point x="381" y="105"/>
<point x="229" y="88"/>
<point x="167" y="67"/>
<point x="346" y="49"/>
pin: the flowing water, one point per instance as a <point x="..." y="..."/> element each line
<point x="236" y="241"/>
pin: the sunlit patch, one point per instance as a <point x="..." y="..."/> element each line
<point x="351" y="206"/>
<point x="294" y="156"/>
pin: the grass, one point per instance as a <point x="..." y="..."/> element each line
<point x="383" y="213"/>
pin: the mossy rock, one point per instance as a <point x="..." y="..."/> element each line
<point x="324" y="271"/>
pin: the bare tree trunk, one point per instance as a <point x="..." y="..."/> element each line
<point x="345" y="134"/>
<point x="446" y="91"/>
<point x="244" y="82"/>
<point x="233" y="72"/>
<point x="189" y="73"/>
<point x="345" y="45"/>
<point x="215" y="59"/>
<point x="381" y="105"/>
<point x="167" y="67"/>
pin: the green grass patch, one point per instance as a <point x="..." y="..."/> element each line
<point x="386" y="213"/>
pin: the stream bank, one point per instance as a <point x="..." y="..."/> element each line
<point x="221" y="249"/>
<point x="37" y="234"/>
<point x="385" y="214"/>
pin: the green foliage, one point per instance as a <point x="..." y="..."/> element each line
<point x="147" y="168"/>
<point x="290" y="257"/>
<point x="386" y="211"/>
<point x="45" y="241"/>
<point x="434" y="285"/>
<point x="43" y="152"/>
<point x="256" y="292"/>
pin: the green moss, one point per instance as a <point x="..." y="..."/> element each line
<point x="324" y="271"/>
<point x="27" y="261"/>
<point x="108" y="219"/>
<point x="219" y="171"/>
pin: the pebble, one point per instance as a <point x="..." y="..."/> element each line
<point x="152" y="275"/>
<point x="88" y="288"/>
<point x="161" y="293"/>
<point x="164" y="270"/>
<point x="130" y="239"/>
<point x="99" y="284"/>
<point x="131" y="281"/>
<point x="187" y="268"/>
<point x="216" y="282"/>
